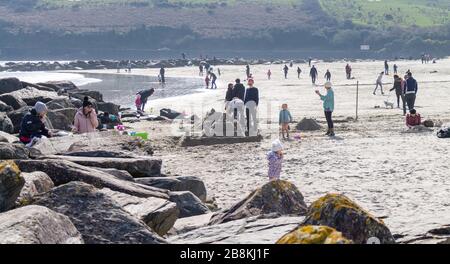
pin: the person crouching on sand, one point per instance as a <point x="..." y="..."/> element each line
<point x="328" y="107"/>
<point x="275" y="158"/>
<point x="284" y="120"/>
<point x="413" y="119"/>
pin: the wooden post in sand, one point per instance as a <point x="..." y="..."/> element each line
<point x="357" y="98"/>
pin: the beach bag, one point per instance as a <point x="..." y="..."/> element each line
<point x="444" y="133"/>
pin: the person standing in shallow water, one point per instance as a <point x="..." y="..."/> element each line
<point x="328" y="107"/>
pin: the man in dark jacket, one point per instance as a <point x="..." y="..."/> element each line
<point x="410" y="91"/>
<point x="251" y="104"/>
<point x="145" y="94"/>
<point x="286" y="70"/>
<point x="239" y="90"/>
<point x="162" y="73"/>
<point x="313" y="73"/>
<point x="32" y="125"/>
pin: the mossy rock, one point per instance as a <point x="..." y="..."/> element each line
<point x="314" y="235"/>
<point x="11" y="184"/>
<point x="339" y="212"/>
<point x="281" y="197"/>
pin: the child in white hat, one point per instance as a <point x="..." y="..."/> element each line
<point x="275" y="158"/>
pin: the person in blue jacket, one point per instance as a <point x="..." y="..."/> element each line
<point x="410" y="91"/>
<point x="284" y="119"/>
<point x="251" y="102"/>
<point x="328" y="107"/>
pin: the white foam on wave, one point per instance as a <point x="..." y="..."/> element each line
<point x="37" y="77"/>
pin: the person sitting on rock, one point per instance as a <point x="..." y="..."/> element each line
<point x="413" y="119"/>
<point x="86" y="118"/>
<point x="32" y="125"/>
<point x="275" y="158"/>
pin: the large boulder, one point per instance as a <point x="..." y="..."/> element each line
<point x="32" y="95"/>
<point x="63" y="171"/>
<point x="188" y="203"/>
<point x="10" y="151"/>
<point x="6" y="125"/>
<point x="280" y="197"/>
<point x="62" y="118"/>
<point x="16" y="117"/>
<point x="13" y="100"/>
<point x="181" y="183"/>
<point x="308" y="124"/>
<point x="111" y="108"/>
<point x="37" y="225"/>
<point x="5" y="107"/>
<point x="10" y="185"/>
<point x="314" y="235"/>
<point x="339" y="212"/>
<point x="8" y="85"/>
<point x="137" y="167"/>
<point x="7" y="138"/>
<point x="60" y="85"/>
<point x="60" y="103"/>
<point x="159" y="214"/>
<point x="80" y="94"/>
<point x="97" y="217"/>
<point x="36" y="182"/>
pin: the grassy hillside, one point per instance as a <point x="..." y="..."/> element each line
<point x="385" y="13"/>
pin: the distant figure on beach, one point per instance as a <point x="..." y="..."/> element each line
<point x="309" y="61"/>
<point x="32" y="125"/>
<point x="269" y="73"/>
<point x="328" y="76"/>
<point x="284" y="119"/>
<point x="213" y="80"/>
<point x="251" y="104"/>
<point x="239" y="90"/>
<point x="395" y="69"/>
<point x="291" y="64"/>
<point x="183" y="55"/>
<point x="286" y="70"/>
<point x="275" y="159"/>
<point x="379" y="83"/>
<point x="145" y="94"/>
<point x="313" y="73"/>
<point x="413" y="119"/>
<point x="85" y="120"/>
<point x="398" y="82"/>
<point x="129" y="66"/>
<point x="200" y="70"/>
<point x="386" y="67"/>
<point x="410" y="91"/>
<point x="218" y="71"/>
<point x="247" y="71"/>
<point x="299" y="71"/>
<point x="207" y="81"/>
<point x="328" y="107"/>
<point x="162" y="73"/>
<point x="348" y="71"/>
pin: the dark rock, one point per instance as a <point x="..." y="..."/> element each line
<point x="339" y="212"/>
<point x="137" y="167"/>
<point x="12" y="100"/>
<point x="97" y="217"/>
<point x="5" y="107"/>
<point x="108" y="107"/>
<point x="308" y="124"/>
<point x="37" y="86"/>
<point x="13" y="151"/>
<point x="80" y="94"/>
<point x="36" y="182"/>
<point x="159" y="214"/>
<point x="314" y="235"/>
<point x="188" y="204"/>
<point x="63" y="171"/>
<point x="10" y="185"/>
<point x="7" y="138"/>
<point x="32" y="95"/>
<point x="6" y="125"/>
<point x="119" y="174"/>
<point x="280" y="197"/>
<point x="99" y="154"/>
<point x="62" y="118"/>
<point x="181" y="183"/>
<point x="8" y="85"/>
<point x="60" y="104"/>
<point x="16" y="117"/>
<point x="60" y="85"/>
<point x="37" y="225"/>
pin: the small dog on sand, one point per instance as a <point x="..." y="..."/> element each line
<point x="388" y="104"/>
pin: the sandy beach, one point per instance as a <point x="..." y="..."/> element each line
<point x="398" y="176"/>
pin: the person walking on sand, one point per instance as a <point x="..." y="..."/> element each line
<point x="313" y="73"/>
<point x="239" y="90"/>
<point x="286" y="70"/>
<point x="218" y="71"/>
<point x="309" y="61"/>
<point x="299" y="71"/>
<point x="269" y="73"/>
<point x="398" y="89"/>
<point x="162" y="73"/>
<point x="85" y="120"/>
<point x="410" y="91"/>
<point x="328" y="75"/>
<point x="386" y="67"/>
<point x="213" y="80"/>
<point x="328" y="107"/>
<point x="348" y="71"/>
<point x="251" y="104"/>
<point x="200" y="70"/>
<point x="379" y="83"/>
<point x="275" y="159"/>
<point x="285" y="118"/>
<point x="395" y="69"/>
<point x="247" y="71"/>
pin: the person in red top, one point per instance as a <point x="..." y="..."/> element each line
<point x="413" y="119"/>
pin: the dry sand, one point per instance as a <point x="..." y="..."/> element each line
<point x="402" y="177"/>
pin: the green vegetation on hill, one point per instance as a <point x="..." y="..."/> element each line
<point x="386" y="13"/>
